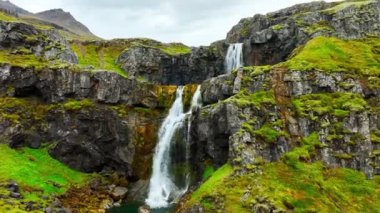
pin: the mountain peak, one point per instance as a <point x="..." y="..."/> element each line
<point x="55" y="16"/>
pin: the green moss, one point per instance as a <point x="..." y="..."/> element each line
<point x="254" y="71"/>
<point x="337" y="104"/>
<point x="278" y="27"/>
<point x="208" y="172"/>
<point x="22" y="60"/>
<point x="344" y="156"/>
<point x="335" y="55"/>
<point x="74" y="105"/>
<point x="318" y="27"/>
<point x="375" y="136"/>
<point x="268" y="133"/>
<point x="245" y="99"/>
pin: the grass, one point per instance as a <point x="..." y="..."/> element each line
<point x="212" y="183"/>
<point x="337" y="104"/>
<point x="34" y="168"/>
<point x="22" y="60"/>
<point x="7" y="17"/>
<point x="335" y="55"/>
<point x="346" y="4"/>
<point x="98" y="56"/>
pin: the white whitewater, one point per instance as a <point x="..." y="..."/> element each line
<point x="162" y="189"/>
<point x="234" y="57"/>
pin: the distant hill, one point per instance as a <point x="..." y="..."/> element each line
<point x="66" y="20"/>
<point x="55" y="16"/>
<point x="11" y="8"/>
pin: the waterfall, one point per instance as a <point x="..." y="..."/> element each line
<point x="162" y="189"/>
<point x="234" y="57"/>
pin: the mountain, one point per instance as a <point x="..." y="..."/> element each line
<point x="56" y="16"/>
<point x="65" y="20"/>
<point x="12" y="8"/>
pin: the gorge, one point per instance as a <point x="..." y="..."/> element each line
<point x="283" y="115"/>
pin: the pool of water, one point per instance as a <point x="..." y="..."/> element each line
<point x="133" y="207"/>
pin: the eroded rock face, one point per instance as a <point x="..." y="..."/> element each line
<point x="57" y="85"/>
<point x="159" y="67"/>
<point x="220" y="127"/>
<point x="269" y="39"/>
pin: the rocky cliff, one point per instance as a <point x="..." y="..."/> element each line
<point x="269" y="39"/>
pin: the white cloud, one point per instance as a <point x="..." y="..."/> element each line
<point x="195" y="22"/>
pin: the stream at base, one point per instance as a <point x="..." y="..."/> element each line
<point x="133" y="207"/>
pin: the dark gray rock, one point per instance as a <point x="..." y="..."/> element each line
<point x="158" y="67"/>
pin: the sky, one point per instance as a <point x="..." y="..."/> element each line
<point x="192" y="22"/>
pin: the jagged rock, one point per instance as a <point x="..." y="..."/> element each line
<point x="218" y="88"/>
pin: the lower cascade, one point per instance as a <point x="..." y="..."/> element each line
<point x="162" y="187"/>
<point x="234" y="57"/>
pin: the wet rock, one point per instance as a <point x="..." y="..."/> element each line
<point x="15" y="195"/>
<point x="13" y="187"/>
<point x="144" y="209"/>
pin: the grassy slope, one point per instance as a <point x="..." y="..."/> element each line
<point x="35" y="171"/>
<point x="335" y="55"/>
<point x="305" y="187"/>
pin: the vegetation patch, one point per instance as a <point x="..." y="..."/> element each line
<point x="335" y="55"/>
<point x="348" y="3"/>
<point x="337" y="104"/>
<point x="306" y="187"/>
<point x="74" y="105"/>
<point x="246" y="99"/>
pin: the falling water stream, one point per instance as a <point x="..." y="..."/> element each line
<point x="234" y="57"/>
<point x="162" y="189"/>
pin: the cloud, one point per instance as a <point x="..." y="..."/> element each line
<point x="195" y="22"/>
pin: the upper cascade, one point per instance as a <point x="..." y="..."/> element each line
<point x="234" y="57"/>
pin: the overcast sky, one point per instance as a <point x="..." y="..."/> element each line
<point x="193" y="22"/>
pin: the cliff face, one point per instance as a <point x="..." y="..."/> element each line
<point x="269" y="39"/>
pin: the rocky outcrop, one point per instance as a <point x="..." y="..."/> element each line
<point x="57" y="85"/>
<point x="21" y="38"/>
<point x="269" y="39"/>
<point x="159" y="67"/>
